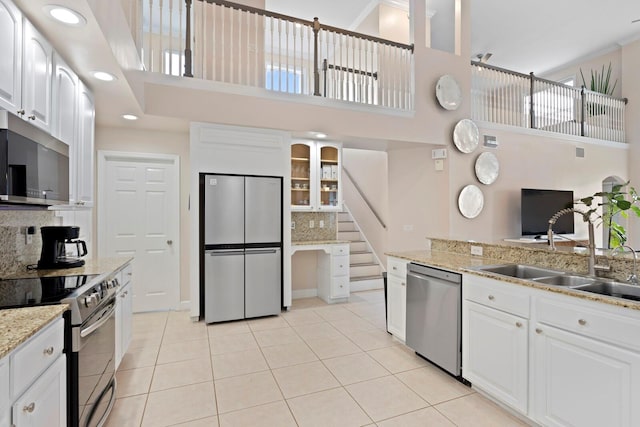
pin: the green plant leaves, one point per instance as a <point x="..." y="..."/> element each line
<point x="600" y="81"/>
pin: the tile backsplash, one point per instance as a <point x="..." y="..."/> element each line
<point x="304" y="233"/>
<point x="15" y="253"/>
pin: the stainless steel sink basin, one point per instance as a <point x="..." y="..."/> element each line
<point x="614" y="289"/>
<point x="567" y="280"/>
<point x="520" y="271"/>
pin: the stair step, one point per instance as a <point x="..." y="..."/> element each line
<point x="361" y="257"/>
<point x="354" y="236"/>
<point x="360" y="278"/>
<point x="364" y="264"/>
<point x="368" y="269"/>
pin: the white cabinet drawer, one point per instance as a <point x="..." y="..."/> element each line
<point x="340" y="265"/>
<point x="38" y="354"/>
<point x="340" y="287"/>
<point x="126" y="274"/>
<point x="492" y="293"/>
<point x="4" y="385"/>
<point x="397" y="267"/>
<point x="340" y="250"/>
<point x="616" y="329"/>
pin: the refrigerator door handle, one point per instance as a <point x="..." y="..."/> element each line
<point x="260" y="251"/>
<point x="225" y="253"/>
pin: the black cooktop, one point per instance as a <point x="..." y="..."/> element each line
<point x="39" y="290"/>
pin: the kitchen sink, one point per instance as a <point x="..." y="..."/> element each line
<point x="520" y="271"/>
<point x="614" y="289"/>
<point x="567" y="280"/>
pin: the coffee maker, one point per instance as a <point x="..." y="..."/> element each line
<point x="54" y="253"/>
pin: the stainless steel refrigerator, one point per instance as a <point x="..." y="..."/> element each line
<point x="242" y="253"/>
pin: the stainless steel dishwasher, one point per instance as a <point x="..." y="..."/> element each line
<point x="434" y="307"/>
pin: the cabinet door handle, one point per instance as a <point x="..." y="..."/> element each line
<point x="393" y="268"/>
<point x="31" y="117"/>
<point x="582" y="322"/>
<point x="519" y="324"/>
<point x="21" y="112"/>
<point x="491" y="297"/>
<point x="29" y="408"/>
<point x="48" y="351"/>
<point x="538" y="331"/>
<point x="403" y="284"/>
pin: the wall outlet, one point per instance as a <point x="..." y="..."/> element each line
<point x="28" y="239"/>
<point x="476" y="250"/>
<point x="293" y="225"/>
<point x="312" y="224"/>
<point x="439" y="165"/>
<point x="321" y="224"/>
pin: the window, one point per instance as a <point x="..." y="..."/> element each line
<point x="569" y="81"/>
<point x="283" y="80"/>
<point x="173" y="62"/>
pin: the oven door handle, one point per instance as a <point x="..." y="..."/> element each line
<point x="98" y="324"/>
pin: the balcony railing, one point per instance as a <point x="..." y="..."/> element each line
<point x="231" y="43"/>
<point x="524" y="100"/>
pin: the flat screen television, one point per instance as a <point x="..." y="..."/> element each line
<point x="537" y="206"/>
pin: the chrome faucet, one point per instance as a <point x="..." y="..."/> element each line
<point x="633" y="278"/>
<point x="592" y="267"/>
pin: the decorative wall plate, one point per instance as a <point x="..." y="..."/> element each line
<point x="487" y="168"/>
<point x="448" y="92"/>
<point x="470" y="201"/>
<point x="466" y="136"/>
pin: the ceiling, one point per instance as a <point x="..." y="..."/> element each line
<point x="520" y="37"/>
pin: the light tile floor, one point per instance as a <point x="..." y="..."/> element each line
<point x="316" y="365"/>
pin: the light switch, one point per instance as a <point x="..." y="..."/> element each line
<point x="440" y="165"/>
<point x="321" y="224"/>
<point x="293" y="225"/>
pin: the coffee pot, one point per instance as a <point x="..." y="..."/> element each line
<point x="54" y="247"/>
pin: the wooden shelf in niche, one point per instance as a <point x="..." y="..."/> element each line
<point x="329" y="180"/>
<point x="299" y="159"/>
<point x="300" y="189"/>
<point x="293" y="178"/>
<point x="333" y="162"/>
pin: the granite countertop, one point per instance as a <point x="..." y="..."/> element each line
<point x="91" y="266"/>
<point x="467" y="263"/>
<point x="19" y="324"/>
<point x="319" y="242"/>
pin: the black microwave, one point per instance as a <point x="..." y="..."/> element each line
<point x="34" y="166"/>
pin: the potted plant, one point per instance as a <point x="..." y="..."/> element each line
<point x="600" y="82"/>
<point x="622" y="199"/>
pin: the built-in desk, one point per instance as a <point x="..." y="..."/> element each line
<point x="333" y="267"/>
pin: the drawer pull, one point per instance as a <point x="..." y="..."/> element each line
<point x="394" y="268"/>
<point x="48" y="351"/>
<point x="538" y="331"/>
<point x="582" y="322"/>
<point x="403" y="284"/>
<point x="519" y="324"/>
<point x="491" y="297"/>
<point x="340" y="265"/>
<point x="30" y="408"/>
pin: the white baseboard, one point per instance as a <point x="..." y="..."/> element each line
<point x="366" y="285"/>
<point x="184" y="305"/>
<point x="304" y="293"/>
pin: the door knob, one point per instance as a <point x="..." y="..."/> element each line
<point x="169" y="242"/>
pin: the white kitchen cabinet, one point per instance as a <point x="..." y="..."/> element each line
<point x="37" y="65"/>
<point x="315" y="176"/>
<point x="65" y="100"/>
<point x="124" y="313"/>
<point x="495" y="357"/>
<point x="11" y="64"/>
<point x="45" y="401"/>
<point x="397" y="297"/>
<point x="81" y="191"/>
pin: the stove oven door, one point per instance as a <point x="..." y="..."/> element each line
<point x="94" y="342"/>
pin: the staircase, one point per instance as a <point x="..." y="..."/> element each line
<point x="365" y="272"/>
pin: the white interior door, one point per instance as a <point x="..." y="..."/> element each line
<point x="139" y="217"/>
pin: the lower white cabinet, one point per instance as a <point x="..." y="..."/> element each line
<point x="45" y="401"/>
<point x="397" y="297"/>
<point x="495" y="359"/>
<point x="583" y="382"/>
<point x="397" y="306"/>
<point x="333" y="274"/>
<point x="124" y="313"/>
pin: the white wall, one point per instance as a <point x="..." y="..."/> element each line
<point x="149" y="141"/>
<point x="631" y="89"/>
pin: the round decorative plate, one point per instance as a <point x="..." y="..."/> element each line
<point x="466" y="136"/>
<point x="470" y="201"/>
<point x="487" y="168"/>
<point x="448" y="92"/>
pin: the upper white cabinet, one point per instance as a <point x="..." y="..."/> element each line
<point x="65" y="101"/>
<point x="11" y="64"/>
<point x="37" y="64"/>
<point x="81" y="191"/>
<point x="315" y="176"/>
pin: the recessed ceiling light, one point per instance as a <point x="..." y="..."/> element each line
<point x="65" y="15"/>
<point x="104" y="76"/>
<point x="129" y="117"/>
<point x="321" y="135"/>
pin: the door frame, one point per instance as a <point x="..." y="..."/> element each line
<point x="105" y="156"/>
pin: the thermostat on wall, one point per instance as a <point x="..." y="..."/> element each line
<point x="440" y="153"/>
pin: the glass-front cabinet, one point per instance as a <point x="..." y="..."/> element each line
<point x="315" y="176"/>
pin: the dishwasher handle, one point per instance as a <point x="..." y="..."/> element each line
<point x="225" y="253"/>
<point x="423" y="272"/>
